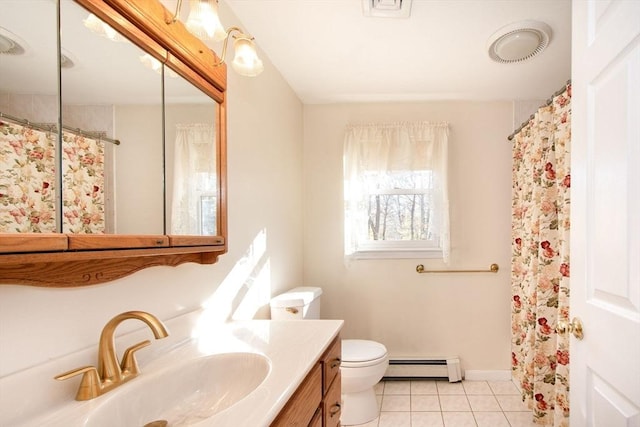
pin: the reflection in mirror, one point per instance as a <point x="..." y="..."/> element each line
<point x="28" y="116"/>
<point x="109" y="95"/>
<point x="190" y="133"/>
<point x="136" y="212"/>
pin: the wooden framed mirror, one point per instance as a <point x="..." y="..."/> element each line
<point x="112" y="150"/>
<point x="72" y="258"/>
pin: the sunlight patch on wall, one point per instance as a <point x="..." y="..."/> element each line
<point x="258" y="293"/>
<point x="249" y="280"/>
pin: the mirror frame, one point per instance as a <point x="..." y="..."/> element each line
<point x="69" y="260"/>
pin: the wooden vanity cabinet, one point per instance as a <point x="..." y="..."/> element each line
<point x="316" y="421"/>
<point x="331" y="383"/>
<point x="317" y="401"/>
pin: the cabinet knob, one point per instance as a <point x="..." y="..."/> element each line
<point x="335" y="363"/>
<point x="334" y="410"/>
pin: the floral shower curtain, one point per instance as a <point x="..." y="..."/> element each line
<point x="540" y="260"/>
<point x="83" y="201"/>
<point x="28" y="176"/>
<point x="27" y="180"/>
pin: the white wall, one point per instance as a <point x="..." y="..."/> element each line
<point x="35" y="108"/>
<point x="386" y="300"/>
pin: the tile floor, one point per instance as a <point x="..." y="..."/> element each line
<point x="443" y="404"/>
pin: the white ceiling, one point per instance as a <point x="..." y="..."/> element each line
<point x="328" y="51"/>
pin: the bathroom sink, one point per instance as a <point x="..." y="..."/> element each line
<point x="181" y="395"/>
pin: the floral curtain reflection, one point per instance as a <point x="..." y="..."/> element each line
<point x="27" y="180"/>
<point x="83" y="202"/>
<point x="540" y="260"/>
<point x="28" y="176"/>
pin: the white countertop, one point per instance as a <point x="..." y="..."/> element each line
<point x="292" y="347"/>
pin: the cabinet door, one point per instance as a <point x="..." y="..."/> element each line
<point x="317" y="419"/>
<point x="331" y="406"/>
<point x="331" y="363"/>
<point x="303" y="404"/>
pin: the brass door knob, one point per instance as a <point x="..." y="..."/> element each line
<point x="575" y="327"/>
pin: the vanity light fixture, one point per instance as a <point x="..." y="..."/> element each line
<point x="153" y="64"/>
<point x="203" y="20"/>
<point x="100" y="27"/>
<point x="204" y="23"/>
<point x="246" y="61"/>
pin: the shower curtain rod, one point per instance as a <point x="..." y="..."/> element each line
<point x="549" y="101"/>
<point x="45" y="127"/>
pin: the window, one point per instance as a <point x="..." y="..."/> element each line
<point x="194" y="201"/>
<point x="396" y="203"/>
<point x="208" y="214"/>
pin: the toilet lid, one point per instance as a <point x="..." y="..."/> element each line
<point x="362" y="350"/>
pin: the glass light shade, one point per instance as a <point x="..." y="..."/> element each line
<point x="203" y="21"/>
<point x="155" y="65"/>
<point x="246" y="61"/>
<point x="100" y="27"/>
<point x="151" y="62"/>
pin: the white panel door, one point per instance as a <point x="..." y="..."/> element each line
<point x="605" y="213"/>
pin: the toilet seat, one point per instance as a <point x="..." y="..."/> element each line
<point x="362" y="353"/>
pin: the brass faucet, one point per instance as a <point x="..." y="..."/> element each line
<point x="110" y="373"/>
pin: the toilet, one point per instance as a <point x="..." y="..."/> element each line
<point x="364" y="362"/>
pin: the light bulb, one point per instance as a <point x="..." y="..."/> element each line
<point x="246" y="61"/>
<point x="100" y="27"/>
<point x="203" y="20"/>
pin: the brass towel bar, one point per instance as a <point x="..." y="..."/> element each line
<point x="493" y="268"/>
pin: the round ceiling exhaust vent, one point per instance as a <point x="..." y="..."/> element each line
<point x="10" y="44"/>
<point x="519" y="41"/>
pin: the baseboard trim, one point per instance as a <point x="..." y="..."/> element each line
<point x="477" y="375"/>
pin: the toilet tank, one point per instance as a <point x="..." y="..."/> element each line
<point x="298" y="303"/>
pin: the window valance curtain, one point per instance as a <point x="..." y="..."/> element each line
<point x="194" y="176"/>
<point x="394" y="147"/>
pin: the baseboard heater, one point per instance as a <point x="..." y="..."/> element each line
<point x="408" y="369"/>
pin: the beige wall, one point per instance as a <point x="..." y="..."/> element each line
<point x="386" y="300"/>
<point x="139" y="164"/>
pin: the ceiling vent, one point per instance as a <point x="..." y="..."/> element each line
<point x="10" y="44"/>
<point x="386" y="8"/>
<point x="67" y="60"/>
<point x="519" y="41"/>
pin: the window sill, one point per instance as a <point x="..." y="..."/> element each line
<point x="397" y="254"/>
